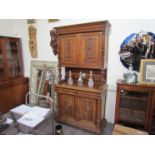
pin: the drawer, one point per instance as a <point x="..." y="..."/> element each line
<point x="66" y="91"/>
<point x="88" y="95"/>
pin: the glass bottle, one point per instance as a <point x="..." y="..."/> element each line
<point x="80" y="80"/>
<point x="70" y="80"/>
<point x="90" y="81"/>
<point x="130" y="77"/>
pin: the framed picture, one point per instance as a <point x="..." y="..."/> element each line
<point x="52" y="20"/>
<point x="31" y="21"/>
<point x="147" y="71"/>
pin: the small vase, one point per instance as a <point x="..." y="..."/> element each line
<point x="131" y="76"/>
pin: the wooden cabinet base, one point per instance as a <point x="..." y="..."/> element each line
<point x="81" y="107"/>
<point x="12" y="93"/>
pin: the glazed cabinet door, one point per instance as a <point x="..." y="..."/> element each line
<point x="2" y="70"/>
<point x="67" y="45"/>
<point x="90" y="50"/>
<point x="66" y="107"/>
<point x="152" y="116"/>
<point x="12" y="58"/>
<point x="86" y="112"/>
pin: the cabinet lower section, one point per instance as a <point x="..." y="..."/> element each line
<point x="82" y="109"/>
<point x="12" y="93"/>
<point x="135" y="106"/>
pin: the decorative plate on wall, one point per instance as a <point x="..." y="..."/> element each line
<point x="135" y="47"/>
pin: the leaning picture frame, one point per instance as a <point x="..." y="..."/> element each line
<point x="38" y="71"/>
<point x="147" y="71"/>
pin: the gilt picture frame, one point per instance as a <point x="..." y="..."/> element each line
<point x="53" y="20"/>
<point x="31" y="21"/>
<point x="147" y="71"/>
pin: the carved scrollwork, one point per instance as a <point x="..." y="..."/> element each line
<point x="33" y="41"/>
<point x="53" y="42"/>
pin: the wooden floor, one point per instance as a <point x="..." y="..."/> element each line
<point x="69" y="130"/>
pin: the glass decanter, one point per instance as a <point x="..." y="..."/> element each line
<point x="70" y="80"/>
<point x="90" y="81"/>
<point x="80" y="80"/>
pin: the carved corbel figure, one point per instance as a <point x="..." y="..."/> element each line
<point x="53" y="42"/>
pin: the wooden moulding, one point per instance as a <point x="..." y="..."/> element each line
<point x="86" y="27"/>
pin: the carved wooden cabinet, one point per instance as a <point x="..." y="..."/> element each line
<point x="135" y="106"/>
<point x="83" y="48"/>
<point x="13" y="84"/>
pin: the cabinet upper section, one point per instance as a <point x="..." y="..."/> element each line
<point x="11" y="61"/>
<point x="82" y="45"/>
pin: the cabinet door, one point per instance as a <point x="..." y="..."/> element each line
<point x="86" y="109"/>
<point x="14" y="66"/>
<point x="1" y="63"/>
<point x="66" y="107"/>
<point x="152" y="116"/>
<point x="68" y="50"/>
<point x="132" y="108"/>
<point x="91" y="50"/>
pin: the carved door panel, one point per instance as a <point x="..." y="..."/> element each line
<point x="68" y="49"/>
<point x="91" y="49"/>
<point x="66" y="107"/>
<point x="86" y="111"/>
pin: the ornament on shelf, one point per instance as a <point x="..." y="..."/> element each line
<point x="131" y="76"/>
<point x="90" y="81"/>
<point x="70" y="80"/>
<point x="80" y="80"/>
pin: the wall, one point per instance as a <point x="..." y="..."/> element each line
<point x="119" y="31"/>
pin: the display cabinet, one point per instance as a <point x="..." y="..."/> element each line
<point x="13" y="84"/>
<point x="135" y="106"/>
<point x="11" y="61"/>
<point x="82" y="48"/>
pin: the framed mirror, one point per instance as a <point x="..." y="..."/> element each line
<point x="43" y="76"/>
<point x="135" y="47"/>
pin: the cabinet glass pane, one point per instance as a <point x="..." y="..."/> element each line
<point x="133" y="107"/>
<point x="12" y="58"/>
<point x="1" y="65"/>
<point x="152" y="131"/>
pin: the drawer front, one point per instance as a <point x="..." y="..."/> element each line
<point x="66" y="91"/>
<point x="88" y="95"/>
